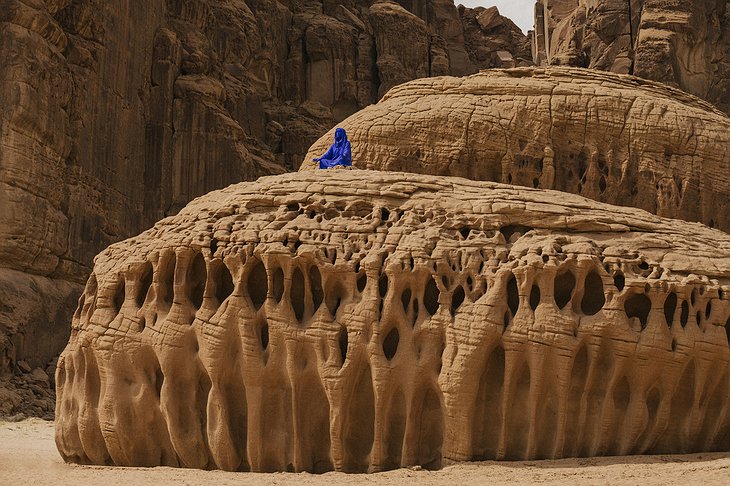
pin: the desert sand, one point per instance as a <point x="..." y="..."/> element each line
<point x="28" y="456"/>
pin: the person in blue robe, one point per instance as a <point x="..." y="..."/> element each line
<point x="340" y="153"/>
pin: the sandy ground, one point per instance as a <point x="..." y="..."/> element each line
<point x="28" y="457"/>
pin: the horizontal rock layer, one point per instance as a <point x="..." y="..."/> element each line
<point x="612" y="138"/>
<point x="361" y="321"/>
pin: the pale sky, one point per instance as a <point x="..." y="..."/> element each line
<point x="520" y="11"/>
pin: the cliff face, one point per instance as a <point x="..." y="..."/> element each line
<point x="683" y="43"/>
<point x="116" y="114"/>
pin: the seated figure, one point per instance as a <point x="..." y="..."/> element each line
<point x="339" y="153"/>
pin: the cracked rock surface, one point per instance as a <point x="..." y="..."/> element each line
<point x="361" y="321"/>
<point x="612" y="138"/>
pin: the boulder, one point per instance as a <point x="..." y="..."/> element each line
<point x="359" y="321"/>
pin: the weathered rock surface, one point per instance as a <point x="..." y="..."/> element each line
<point x="116" y="114"/>
<point x="494" y="41"/>
<point x="684" y="43"/>
<point x="360" y="321"/>
<point x="612" y="138"/>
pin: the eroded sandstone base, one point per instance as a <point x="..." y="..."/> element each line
<point x="362" y="321"/>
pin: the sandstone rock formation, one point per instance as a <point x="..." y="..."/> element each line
<point x="115" y="114"/>
<point x="612" y="138"/>
<point x="493" y="40"/>
<point x="360" y="321"/>
<point x="684" y="43"/>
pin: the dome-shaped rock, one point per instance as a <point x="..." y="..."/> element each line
<point x="609" y="137"/>
<point x="361" y="321"/>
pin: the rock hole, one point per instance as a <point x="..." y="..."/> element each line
<point x="693" y="297"/>
<point x="535" y="183"/>
<point x="343" y="342"/>
<point x="431" y="297"/>
<point x="167" y="279"/>
<point x="698" y="318"/>
<point x="297" y="293"/>
<point x="513" y="296"/>
<point x="390" y="343"/>
<point x="119" y="294"/>
<point x="278" y="284"/>
<point x="602" y="184"/>
<point x="670" y="307"/>
<point x="684" y="316"/>
<point x="197" y="275"/>
<point x="213" y="246"/>
<point x="257" y="285"/>
<point x="141" y="324"/>
<point x="362" y="281"/>
<point x="638" y="305"/>
<point x="415" y="311"/>
<point x="384" y="214"/>
<point x="469" y="283"/>
<point x="405" y="299"/>
<point x="593" y="297"/>
<point x="465" y="232"/>
<point x="619" y="281"/>
<point x="457" y="299"/>
<point x="145" y="284"/>
<point x="224" y="287"/>
<point x="534" y="297"/>
<point x="159" y="381"/>
<point x="265" y="337"/>
<point x="505" y="320"/>
<point x="315" y="286"/>
<point x="564" y="286"/>
<point x="708" y="310"/>
<point x="334" y="298"/>
<point x="383" y="286"/>
<point x="674" y="345"/>
<point x="511" y="230"/>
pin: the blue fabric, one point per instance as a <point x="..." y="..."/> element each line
<point x="340" y="153"/>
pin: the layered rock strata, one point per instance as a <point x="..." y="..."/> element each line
<point x="684" y="43"/>
<point x="612" y="138"/>
<point x="362" y="321"/>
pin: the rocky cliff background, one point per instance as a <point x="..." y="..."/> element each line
<point x="116" y="114"/>
<point x="683" y="43"/>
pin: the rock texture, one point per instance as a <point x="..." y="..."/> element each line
<point x="684" y="43"/>
<point x="611" y="138"/>
<point x="361" y="321"/>
<point x="116" y="114"/>
<point x="494" y="41"/>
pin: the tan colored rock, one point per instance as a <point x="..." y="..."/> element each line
<point x="114" y="115"/>
<point x="361" y="321"/>
<point x="616" y="139"/>
<point x="683" y="43"/>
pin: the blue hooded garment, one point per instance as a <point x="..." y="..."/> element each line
<point x="340" y="153"/>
